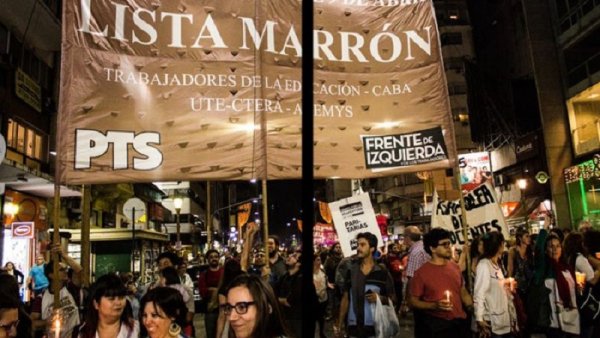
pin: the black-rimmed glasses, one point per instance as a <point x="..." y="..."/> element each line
<point x="240" y="307"/>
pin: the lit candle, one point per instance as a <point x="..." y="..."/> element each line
<point x="580" y="278"/>
<point x="447" y="295"/>
<point x="511" y="281"/>
<point x="57" y="327"/>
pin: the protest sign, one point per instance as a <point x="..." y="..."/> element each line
<point x="352" y="216"/>
<point x="483" y="214"/>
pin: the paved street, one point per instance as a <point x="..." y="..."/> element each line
<point x="406" y="327"/>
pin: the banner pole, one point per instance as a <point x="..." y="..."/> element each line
<point x="56" y="285"/>
<point x="265" y="217"/>
<point x="85" y="233"/>
<point x="463" y="220"/>
<point x="209" y="218"/>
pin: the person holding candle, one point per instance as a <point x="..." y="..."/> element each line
<point x="42" y="309"/>
<point x="494" y="311"/>
<point x="109" y="314"/>
<point x="438" y="290"/>
<point x="575" y="254"/>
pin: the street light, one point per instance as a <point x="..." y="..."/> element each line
<point x="177" y="203"/>
<point x="522" y="183"/>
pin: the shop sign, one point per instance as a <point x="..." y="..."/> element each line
<point x="475" y="169"/>
<point x="542" y="177"/>
<point x="526" y="147"/>
<point x="22" y="229"/>
<point x="586" y="170"/>
<point x="28" y="90"/>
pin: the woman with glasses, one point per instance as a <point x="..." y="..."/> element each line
<point x="109" y="314"/>
<point x="252" y="309"/>
<point x="231" y="270"/>
<point x="163" y="313"/>
<point x="492" y="293"/>
<point x="9" y="306"/>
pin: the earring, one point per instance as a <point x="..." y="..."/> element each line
<point x="174" y="329"/>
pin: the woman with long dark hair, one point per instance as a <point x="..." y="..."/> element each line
<point x="552" y="306"/>
<point x="231" y="269"/>
<point x="491" y="296"/>
<point x="520" y="261"/>
<point x="575" y="254"/>
<point x="252" y="309"/>
<point x="109" y="314"/>
<point x="169" y="277"/>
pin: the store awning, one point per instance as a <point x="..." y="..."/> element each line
<point x="21" y="178"/>
<point x="524" y="210"/>
<point x="117" y="234"/>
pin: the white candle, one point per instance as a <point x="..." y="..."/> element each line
<point x="511" y="284"/>
<point x="57" y="327"/>
<point x="447" y="295"/>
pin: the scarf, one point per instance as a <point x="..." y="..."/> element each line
<point x="561" y="283"/>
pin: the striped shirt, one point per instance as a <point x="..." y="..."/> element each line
<point x="417" y="256"/>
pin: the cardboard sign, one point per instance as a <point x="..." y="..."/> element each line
<point x="352" y="216"/>
<point x="483" y="214"/>
<point x="188" y="90"/>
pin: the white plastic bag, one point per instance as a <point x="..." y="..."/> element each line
<point x="386" y="320"/>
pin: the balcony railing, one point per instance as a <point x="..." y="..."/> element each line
<point x="576" y="14"/>
<point x="585" y="70"/>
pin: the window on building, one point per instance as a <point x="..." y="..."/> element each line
<point x="453" y="14"/>
<point x="455" y="63"/>
<point x="452" y="38"/>
<point x="25" y="140"/>
<point x="457" y="88"/>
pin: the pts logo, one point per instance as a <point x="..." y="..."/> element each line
<point x="90" y="144"/>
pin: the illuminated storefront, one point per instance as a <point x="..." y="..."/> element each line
<point x="583" y="189"/>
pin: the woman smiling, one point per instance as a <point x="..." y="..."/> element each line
<point x="252" y="309"/>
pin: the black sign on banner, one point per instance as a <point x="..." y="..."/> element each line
<point x="401" y="150"/>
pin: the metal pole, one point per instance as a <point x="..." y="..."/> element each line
<point x="209" y="217"/>
<point x="85" y="233"/>
<point x="265" y="201"/>
<point x="133" y="240"/>
<point x="56" y="286"/>
<point x="463" y="219"/>
<point x="178" y="243"/>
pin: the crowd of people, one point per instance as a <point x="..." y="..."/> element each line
<point x="490" y="287"/>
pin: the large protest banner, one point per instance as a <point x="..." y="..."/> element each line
<point x="483" y="214"/>
<point x="352" y="216"/>
<point x="203" y="89"/>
